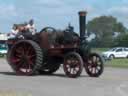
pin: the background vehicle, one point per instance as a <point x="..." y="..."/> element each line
<point x="45" y="51"/>
<point x="3" y="49"/>
<point x="118" y="52"/>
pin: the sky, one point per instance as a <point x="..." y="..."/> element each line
<point x="58" y="13"/>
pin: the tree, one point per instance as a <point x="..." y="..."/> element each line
<point x="119" y="27"/>
<point x="121" y="40"/>
<point x="104" y="27"/>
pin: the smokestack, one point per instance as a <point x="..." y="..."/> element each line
<point x="82" y="24"/>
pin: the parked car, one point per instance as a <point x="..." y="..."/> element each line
<point x="118" y="52"/>
<point x="3" y="50"/>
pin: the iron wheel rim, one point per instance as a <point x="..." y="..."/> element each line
<point x="94" y="65"/>
<point x="73" y="65"/>
<point x="23" y="58"/>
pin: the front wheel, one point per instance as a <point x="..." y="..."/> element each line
<point x="111" y="56"/>
<point x="73" y="64"/>
<point x="94" y="65"/>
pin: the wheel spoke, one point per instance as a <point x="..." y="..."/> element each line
<point x="22" y="50"/>
<point x="24" y="47"/>
<point x="18" y="56"/>
<point x="32" y="56"/>
<point x="69" y="70"/>
<point x="67" y="66"/>
<point x="74" y="71"/>
<point x="99" y="63"/>
<point x="29" y="68"/>
<point x="98" y="67"/>
<point x="19" y="65"/>
<point x="14" y="60"/>
<point x="94" y="59"/>
<point x="91" y="70"/>
<point x="29" y="51"/>
<point x="76" y="62"/>
<point x="68" y="62"/>
<point x="95" y="71"/>
<point x="18" y="51"/>
<point x="30" y="62"/>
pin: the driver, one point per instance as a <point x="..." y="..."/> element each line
<point x="31" y="27"/>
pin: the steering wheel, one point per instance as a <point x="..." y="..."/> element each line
<point x="48" y="29"/>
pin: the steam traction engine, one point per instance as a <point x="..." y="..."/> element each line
<point x="45" y="51"/>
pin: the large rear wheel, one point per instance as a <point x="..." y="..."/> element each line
<point x="25" y="57"/>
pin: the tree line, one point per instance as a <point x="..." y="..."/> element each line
<point x="109" y="32"/>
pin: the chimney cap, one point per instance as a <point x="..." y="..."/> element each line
<point x="82" y="13"/>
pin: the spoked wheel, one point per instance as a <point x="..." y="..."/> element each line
<point x="73" y="65"/>
<point x="25" y="57"/>
<point x="94" y="65"/>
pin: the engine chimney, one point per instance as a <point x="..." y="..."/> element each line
<point x="82" y="24"/>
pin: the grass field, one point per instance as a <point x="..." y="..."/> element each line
<point x="121" y="63"/>
<point x="99" y="50"/>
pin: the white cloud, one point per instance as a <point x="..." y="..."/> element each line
<point x="119" y="10"/>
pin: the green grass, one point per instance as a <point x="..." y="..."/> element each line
<point x="120" y="63"/>
<point x="99" y="50"/>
